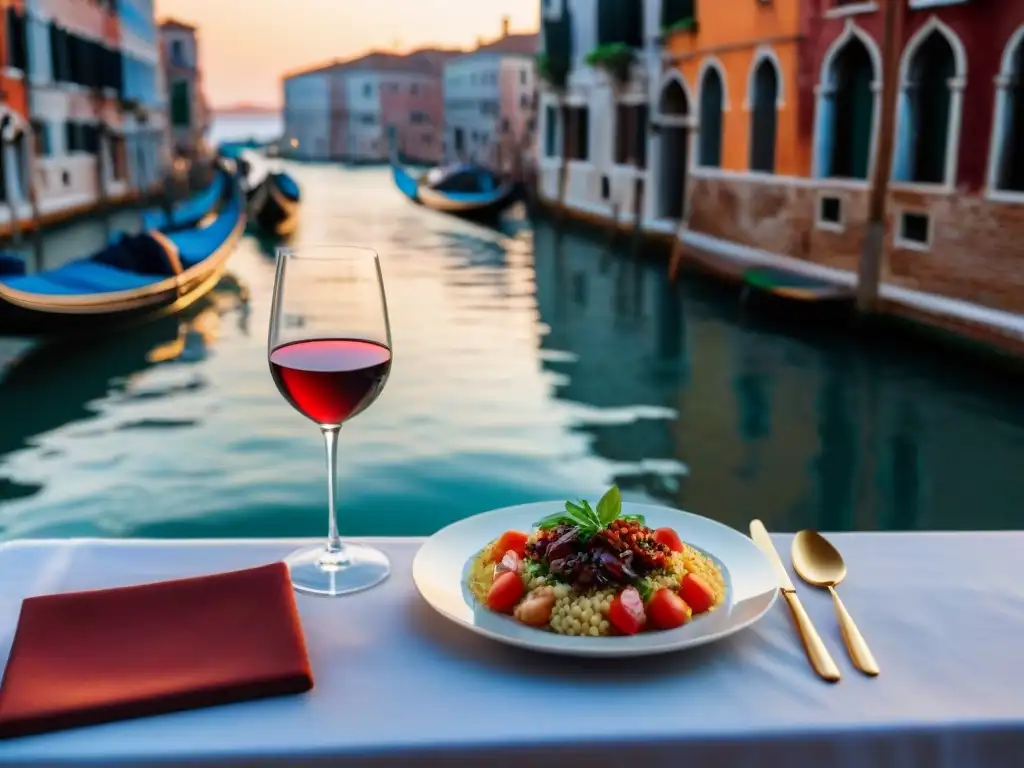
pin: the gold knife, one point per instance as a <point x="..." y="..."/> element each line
<point x="815" y="649"/>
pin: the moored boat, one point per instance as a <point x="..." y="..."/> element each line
<point x="273" y="196"/>
<point x="138" y="276"/>
<point x="275" y="204"/>
<point x="789" y="286"/>
<point x="463" y="189"/>
<point x="191" y="212"/>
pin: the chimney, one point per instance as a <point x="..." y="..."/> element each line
<point x="504" y="26"/>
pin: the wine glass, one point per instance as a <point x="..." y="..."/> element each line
<point x="330" y="356"/>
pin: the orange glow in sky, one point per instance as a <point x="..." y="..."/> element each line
<point x="246" y="45"/>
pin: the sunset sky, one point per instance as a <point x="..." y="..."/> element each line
<point x="246" y="45"/>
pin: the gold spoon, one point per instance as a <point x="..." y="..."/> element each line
<point x="818" y="563"/>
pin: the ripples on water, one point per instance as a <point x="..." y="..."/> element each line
<point x="525" y="368"/>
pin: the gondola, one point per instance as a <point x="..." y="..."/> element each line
<point x="273" y="196"/>
<point x="191" y="212"/>
<point x="275" y="204"/>
<point x="249" y="169"/>
<point x="139" y="276"/>
<point x="466" y="190"/>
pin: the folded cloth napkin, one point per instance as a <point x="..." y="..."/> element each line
<point x="89" y="657"/>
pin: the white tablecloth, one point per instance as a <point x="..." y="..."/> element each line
<point x="397" y="685"/>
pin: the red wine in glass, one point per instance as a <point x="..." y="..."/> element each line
<point x="330" y="380"/>
<point x="330" y="356"/>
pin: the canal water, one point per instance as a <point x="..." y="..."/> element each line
<point x="527" y="366"/>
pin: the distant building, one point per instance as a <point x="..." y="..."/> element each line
<point x="189" y="113"/>
<point x="307" y="114"/>
<point x="70" y="49"/>
<point x="144" y="93"/>
<point x="488" y="100"/>
<point x="341" y="111"/>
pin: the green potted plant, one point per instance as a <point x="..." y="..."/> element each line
<point x="616" y="59"/>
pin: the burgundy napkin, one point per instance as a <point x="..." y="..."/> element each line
<point x="111" y="654"/>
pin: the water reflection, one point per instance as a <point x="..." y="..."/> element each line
<point x="836" y="465"/>
<point x="61" y="382"/>
<point x="742" y="419"/>
<point x="606" y="344"/>
<point x="529" y="365"/>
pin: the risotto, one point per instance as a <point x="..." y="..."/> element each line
<point x="595" y="572"/>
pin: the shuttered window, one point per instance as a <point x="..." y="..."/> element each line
<point x="620" y="21"/>
<point x="674" y="11"/>
<point x="17" y="50"/>
<point x="558" y="36"/>
<point x="550" y="131"/>
<point x="181" y="104"/>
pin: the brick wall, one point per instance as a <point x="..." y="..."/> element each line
<point x="778" y="217"/>
<point x="975" y="253"/>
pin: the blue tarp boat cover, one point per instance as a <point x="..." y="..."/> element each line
<point x="133" y="262"/>
<point x="187" y="212"/>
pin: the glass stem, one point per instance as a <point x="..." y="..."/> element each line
<point x="331" y="441"/>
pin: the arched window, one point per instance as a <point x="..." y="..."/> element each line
<point x="673" y="139"/>
<point x="854" y="113"/>
<point x="763" y="117"/>
<point x="845" y="118"/>
<point x="1007" y="171"/>
<point x="673" y="101"/>
<point x="929" y="108"/>
<point x="711" y="103"/>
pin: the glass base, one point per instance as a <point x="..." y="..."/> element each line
<point x="316" y="571"/>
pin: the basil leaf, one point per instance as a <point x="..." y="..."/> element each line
<point x="639" y="519"/>
<point x="574" y="508"/>
<point x="609" y="507"/>
<point x="579" y="514"/>
<point x="592" y="516"/>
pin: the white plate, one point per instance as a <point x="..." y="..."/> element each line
<point x="440" y="567"/>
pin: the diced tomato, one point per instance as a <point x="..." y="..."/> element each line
<point x="505" y="593"/>
<point x="669" y="538"/>
<point x="514" y="540"/>
<point x="626" y="613"/>
<point x="666" y="610"/>
<point x="696" y="593"/>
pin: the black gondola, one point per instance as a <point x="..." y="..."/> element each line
<point x="137" y="277"/>
<point x="275" y="204"/>
<point x="273" y="196"/>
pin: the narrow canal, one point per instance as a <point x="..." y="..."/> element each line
<point x="526" y="368"/>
